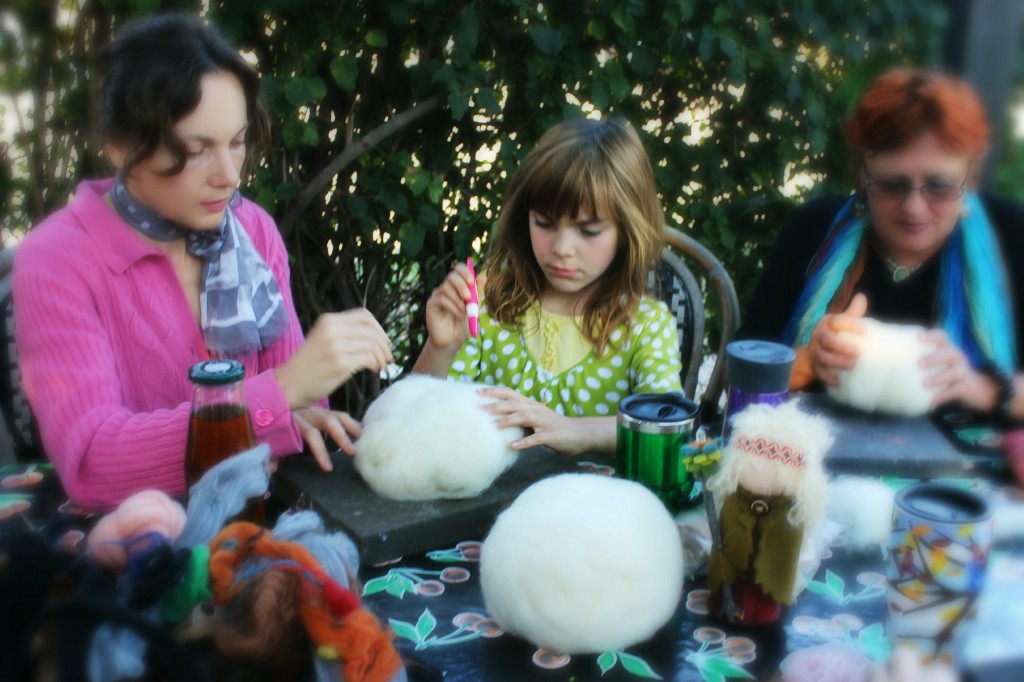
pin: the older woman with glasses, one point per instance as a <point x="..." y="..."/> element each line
<point x="915" y="244"/>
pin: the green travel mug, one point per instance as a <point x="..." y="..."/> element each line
<point x="652" y="430"/>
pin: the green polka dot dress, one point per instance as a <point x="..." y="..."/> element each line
<point x="643" y="357"/>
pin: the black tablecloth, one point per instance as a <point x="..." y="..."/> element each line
<point x="433" y="603"/>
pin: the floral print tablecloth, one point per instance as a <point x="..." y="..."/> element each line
<point x="434" y="605"/>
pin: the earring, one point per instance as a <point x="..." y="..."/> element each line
<point x="965" y="210"/>
<point x="858" y="205"/>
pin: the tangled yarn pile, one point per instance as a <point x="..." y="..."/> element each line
<point x="273" y="601"/>
<point x="341" y="630"/>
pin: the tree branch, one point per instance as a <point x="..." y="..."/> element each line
<point x="351" y="152"/>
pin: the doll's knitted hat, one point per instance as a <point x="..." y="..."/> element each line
<point x="783" y="434"/>
<point x="782" y="448"/>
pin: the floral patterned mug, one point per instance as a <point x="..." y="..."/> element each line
<point x="937" y="554"/>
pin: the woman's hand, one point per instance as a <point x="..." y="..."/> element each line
<point x="953" y="377"/>
<point x="827" y="353"/>
<point x="447" y="321"/>
<point x="566" y="435"/>
<point x="340" y="426"/>
<point x="338" y="346"/>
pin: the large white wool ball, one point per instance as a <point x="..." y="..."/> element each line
<point x="886" y="376"/>
<point x="583" y="563"/>
<point x="425" y="438"/>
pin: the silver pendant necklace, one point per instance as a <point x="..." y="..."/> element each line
<point x="899" y="272"/>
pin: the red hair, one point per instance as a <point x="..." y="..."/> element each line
<point x="902" y="104"/>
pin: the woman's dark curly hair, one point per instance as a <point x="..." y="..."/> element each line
<point x="153" y="70"/>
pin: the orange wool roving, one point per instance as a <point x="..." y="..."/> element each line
<point x="334" y="620"/>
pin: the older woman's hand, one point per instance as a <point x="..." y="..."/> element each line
<point x="953" y="377"/>
<point x="826" y="352"/>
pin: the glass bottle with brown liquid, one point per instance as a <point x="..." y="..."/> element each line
<point x="219" y="425"/>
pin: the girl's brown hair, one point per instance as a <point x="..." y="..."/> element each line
<point x="599" y="167"/>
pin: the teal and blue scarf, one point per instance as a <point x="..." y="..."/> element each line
<point x="974" y="294"/>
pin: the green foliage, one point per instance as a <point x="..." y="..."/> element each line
<point x="734" y="99"/>
<point x="1009" y="172"/>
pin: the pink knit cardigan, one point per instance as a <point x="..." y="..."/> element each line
<point x="105" y="338"/>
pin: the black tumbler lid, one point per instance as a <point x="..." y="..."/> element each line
<point x="660" y="408"/>
<point x="216" y="372"/>
<point x="759" y="366"/>
<point x="944" y="503"/>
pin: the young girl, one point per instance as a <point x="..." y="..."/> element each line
<point x="566" y="330"/>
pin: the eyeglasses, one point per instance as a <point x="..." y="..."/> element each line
<point x="932" y="191"/>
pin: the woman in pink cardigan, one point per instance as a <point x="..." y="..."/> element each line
<point x="145" y="274"/>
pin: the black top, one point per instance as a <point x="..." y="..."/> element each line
<point x="912" y="301"/>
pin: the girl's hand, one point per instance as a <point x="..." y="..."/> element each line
<point x="566" y="435"/>
<point x="340" y="426"/>
<point x="954" y="378"/>
<point x="338" y="346"/>
<point x="827" y="352"/>
<point x="447" y="322"/>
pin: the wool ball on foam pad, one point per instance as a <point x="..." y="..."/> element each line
<point x="583" y="563"/>
<point x="425" y="438"/>
<point x="886" y="377"/>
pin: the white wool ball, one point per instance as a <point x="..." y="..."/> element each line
<point x="425" y="438"/>
<point x="886" y="376"/>
<point x="1008" y="522"/>
<point x="863" y="507"/>
<point x="583" y="563"/>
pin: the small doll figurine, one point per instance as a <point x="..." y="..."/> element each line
<point x="769" y="492"/>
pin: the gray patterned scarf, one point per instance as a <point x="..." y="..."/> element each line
<point x="241" y="308"/>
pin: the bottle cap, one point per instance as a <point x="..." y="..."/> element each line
<point x="216" y="372"/>
<point x="759" y="366"/>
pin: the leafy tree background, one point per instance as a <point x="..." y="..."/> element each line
<point x="396" y="124"/>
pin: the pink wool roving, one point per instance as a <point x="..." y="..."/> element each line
<point x="830" y="662"/>
<point x="1013" y="445"/>
<point x="146" y="512"/>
